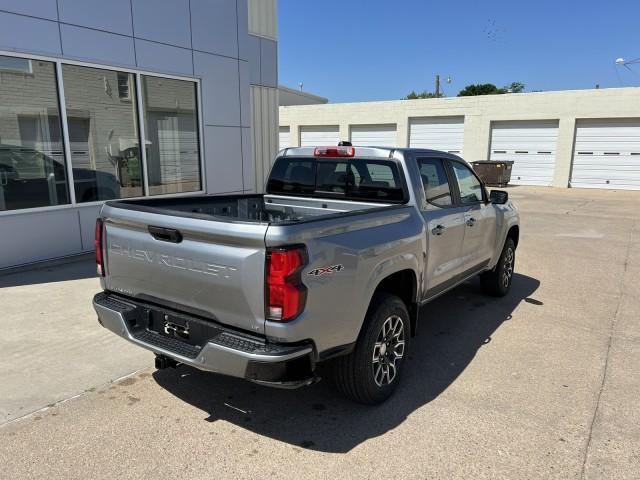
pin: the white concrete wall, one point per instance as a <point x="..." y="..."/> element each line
<point x="478" y="112"/>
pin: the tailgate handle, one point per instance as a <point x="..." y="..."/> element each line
<point x="165" y="234"/>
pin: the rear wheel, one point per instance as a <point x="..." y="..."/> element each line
<point x="372" y="371"/>
<point x="497" y="282"/>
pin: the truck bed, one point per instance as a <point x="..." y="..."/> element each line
<point x="257" y="208"/>
<point x="205" y="255"/>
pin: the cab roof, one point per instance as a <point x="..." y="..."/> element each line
<point x="364" y="151"/>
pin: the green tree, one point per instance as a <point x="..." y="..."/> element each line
<point x="490" y="89"/>
<point x="480" y="89"/>
<point x="414" y="96"/>
<point x="515" y="87"/>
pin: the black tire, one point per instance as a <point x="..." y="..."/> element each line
<point x="357" y="375"/>
<point x="497" y="282"/>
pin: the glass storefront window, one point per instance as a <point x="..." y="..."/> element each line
<point x="32" y="163"/>
<point x="103" y="133"/>
<point x="171" y="130"/>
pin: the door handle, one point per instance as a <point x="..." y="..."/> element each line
<point x="165" y="234"/>
<point x="471" y="222"/>
<point x="438" y="230"/>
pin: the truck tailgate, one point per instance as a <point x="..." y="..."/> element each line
<point x="210" y="267"/>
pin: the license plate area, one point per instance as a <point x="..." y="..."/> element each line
<point x="176" y="330"/>
<point x="153" y="324"/>
<point x="180" y="327"/>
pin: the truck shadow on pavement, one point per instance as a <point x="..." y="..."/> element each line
<point x="451" y="330"/>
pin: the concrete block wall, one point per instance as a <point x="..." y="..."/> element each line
<point x="479" y="113"/>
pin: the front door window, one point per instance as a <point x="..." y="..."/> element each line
<point x="468" y="184"/>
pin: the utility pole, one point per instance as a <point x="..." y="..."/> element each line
<point x="437" y="86"/>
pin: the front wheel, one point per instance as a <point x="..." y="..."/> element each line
<point x="497" y="282"/>
<point x="371" y="372"/>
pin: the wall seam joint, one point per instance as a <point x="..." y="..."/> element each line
<point x="133" y="33"/>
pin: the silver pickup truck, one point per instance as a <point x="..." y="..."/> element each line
<point x="331" y="265"/>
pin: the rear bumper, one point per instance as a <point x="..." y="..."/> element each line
<point x="224" y="351"/>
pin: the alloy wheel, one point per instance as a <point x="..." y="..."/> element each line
<point x="507" y="271"/>
<point x="388" y="350"/>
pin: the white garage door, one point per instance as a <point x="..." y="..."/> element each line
<point x="607" y="154"/>
<point x="374" y="135"/>
<point x="284" y="139"/>
<point x="322" y="136"/>
<point x="437" y="133"/>
<point x="531" y="145"/>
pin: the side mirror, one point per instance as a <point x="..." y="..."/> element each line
<point x="499" y="197"/>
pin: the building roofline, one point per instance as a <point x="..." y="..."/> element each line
<point x="586" y="91"/>
<point x="303" y="94"/>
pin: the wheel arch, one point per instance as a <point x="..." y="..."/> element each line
<point x="404" y="284"/>
<point x="514" y="234"/>
<point x="510" y="229"/>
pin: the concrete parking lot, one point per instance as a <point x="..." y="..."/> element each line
<point x="544" y="383"/>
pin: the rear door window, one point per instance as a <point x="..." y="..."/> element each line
<point x="435" y="182"/>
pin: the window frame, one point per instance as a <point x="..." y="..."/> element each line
<point x="136" y="118"/>
<point x="65" y="161"/>
<point x="126" y="98"/>
<point x="142" y="126"/>
<point x="452" y="174"/>
<point x="453" y="187"/>
<point x="138" y="73"/>
<point x="28" y="71"/>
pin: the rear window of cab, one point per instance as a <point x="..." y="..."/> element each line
<point x="355" y="179"/>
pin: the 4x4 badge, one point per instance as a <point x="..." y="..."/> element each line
<point x="321" y="271"/>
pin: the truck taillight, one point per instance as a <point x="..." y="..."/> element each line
<point x="285" y="293"/>
<point x="97" y="245"/>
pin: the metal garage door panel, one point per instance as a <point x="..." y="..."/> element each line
<point x="607" y="154"/>
<point x="314" y="136"/>
<point x="531" y="145"/>
<point x="374" y="135"/>
<point x="438" y="133"/>
<point x="284" y="138"/>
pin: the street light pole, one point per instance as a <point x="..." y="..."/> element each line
<point x="438" y="94"/>
<point x="626" y="63"/>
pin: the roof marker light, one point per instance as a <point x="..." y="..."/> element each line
<point x="340" y="151"/>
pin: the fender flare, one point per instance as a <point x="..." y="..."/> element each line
<point x="386" y="268"/>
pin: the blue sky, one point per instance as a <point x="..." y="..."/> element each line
<point x="358" y="50"/>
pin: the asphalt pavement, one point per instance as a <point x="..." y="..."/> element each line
<point x="544" y="383"/>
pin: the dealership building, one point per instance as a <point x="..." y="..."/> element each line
<point x="85" y="83"/>
<point x="580" y="138"/>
